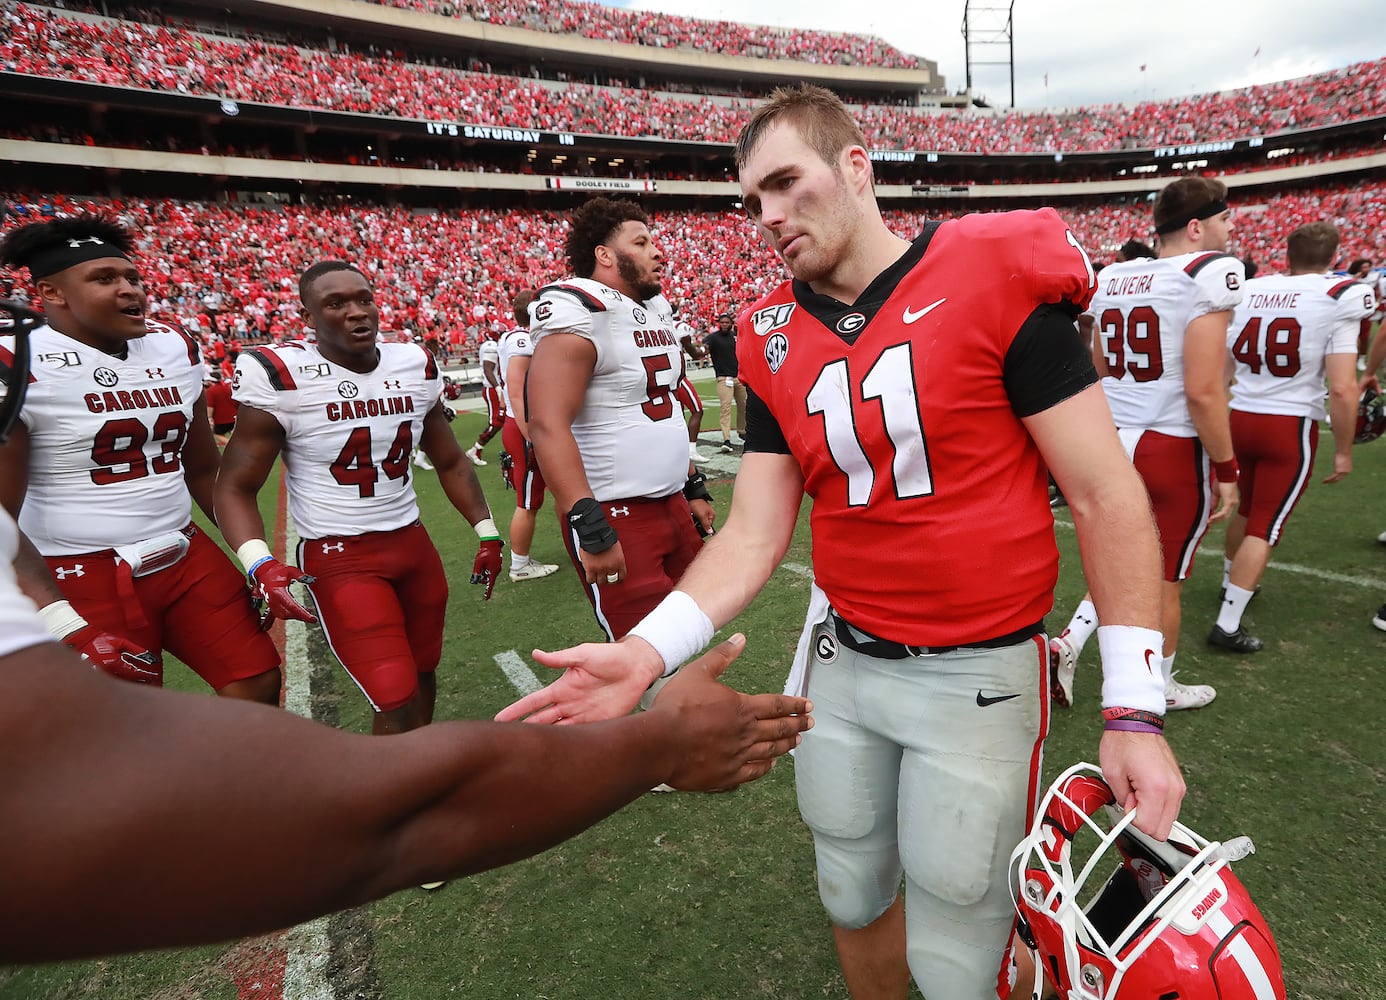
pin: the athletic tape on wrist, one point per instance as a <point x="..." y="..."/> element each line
<point x="1131" y="671"/>
<point x="486" y="530"/>
<point x="61" y="619"/>
<point x="252" y="553"/>
<point x="677" y="628"/>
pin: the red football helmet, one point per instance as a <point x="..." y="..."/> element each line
<point x="451" y="390"/>
<point x="1371" y="416"/>
<point x="1170" y="921"/>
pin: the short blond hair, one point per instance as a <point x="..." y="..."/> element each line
<point x="816" y="113"/>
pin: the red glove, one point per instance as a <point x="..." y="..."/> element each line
<point x="487" y="567"/>
<point x="270" y="579"/>
<point x="116" y="655"/>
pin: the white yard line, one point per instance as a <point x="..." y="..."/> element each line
<point x="521" y="677"/>
<point x="307" y="948"/>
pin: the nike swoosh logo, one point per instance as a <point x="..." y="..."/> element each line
<point x="911" y="317"/>
<point x="1148" y="654"/>
<point x="983" y="701"/>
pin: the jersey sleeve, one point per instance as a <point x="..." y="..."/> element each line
<point x="568" y="309"/>
<point x="259" y="381"/>
<point x="1218" y="282"/>
<point x="1352" y="304"/>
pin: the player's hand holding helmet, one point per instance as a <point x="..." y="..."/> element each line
<point x="1371" y="416"/>
<point x="270" y="580"/>
<point x="1113" y="914"/>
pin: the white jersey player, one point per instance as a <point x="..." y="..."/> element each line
<point x="629" y="430"/>
<point x="606" y="428"/>
<point x="348" y="436"/>
<point x="113" y="449"/>
<point x="1290" y="332"/>
<point x="516" y="343"/>
<point x="345" y="413"/>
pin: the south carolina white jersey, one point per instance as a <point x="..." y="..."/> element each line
<point x="516" y="343"/>
<point x="488" y="351"/>
<point x="348" y="436"/>
<point x="630" y="430"/>
<point x="1280" y="334"/>
<point x="106" y="439"/>
<point x="1140" y="312"/>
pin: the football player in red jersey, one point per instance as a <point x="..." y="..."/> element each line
<point x="919" y="405"/>
<point x="345" y="412"/>
<point x="113" y="448"/>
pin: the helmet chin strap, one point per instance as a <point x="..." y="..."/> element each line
<point x="17" y="378"/>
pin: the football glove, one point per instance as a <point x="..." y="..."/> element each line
<point x="486" y="570"/>
<point x="270" y="583"/>
<point x="116" y="655"/>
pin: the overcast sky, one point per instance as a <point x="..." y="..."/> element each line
<point x="1093" y="52"/>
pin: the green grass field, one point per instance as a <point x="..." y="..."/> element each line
<point x="692" y="896"/>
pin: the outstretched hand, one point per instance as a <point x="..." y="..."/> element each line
<point x="1143" y="775"/>
<point x="271" y="580"/>
<point x="601" y="680"/>
<point x="730" y="738"/>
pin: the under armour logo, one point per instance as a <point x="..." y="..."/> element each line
<point x="88" y="239"/>
<point x="391" y="383"/>
<point x="334" y="547"/>
<point x="619" y="511"/>
<point x="154" y="372"/>
<point x="62" y="572"/>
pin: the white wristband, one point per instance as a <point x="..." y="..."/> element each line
<point x="61" y="619"/>
<point x="252" y="552"/>
<point x="486" y="529"/>
<point x="677" y="628"/>
<point x="1132" y="676"/>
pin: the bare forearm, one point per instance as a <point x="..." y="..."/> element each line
<point x="238" y="514"/>
<point x="558" y="455"/>
<point x="342" y="819"/>
<point x="1208" y="411"/>
<point x="724" y="593"/>
<point x="1120" y="550"/>
<point x="1342" y="411"/>
<point x="35" y="580"/>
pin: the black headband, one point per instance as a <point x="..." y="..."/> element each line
<point x="69" y="253"/>
<point x="1206" y="212"/>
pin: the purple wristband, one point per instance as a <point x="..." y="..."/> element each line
<point x="1130" y="726"/>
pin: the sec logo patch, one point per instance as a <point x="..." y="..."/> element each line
<point x="776" y="350"/>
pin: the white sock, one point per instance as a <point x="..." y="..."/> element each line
<point x="517" y="561"/>
<point x="1082" y="625"/>
<point x="1234" y="603"/>
<point x="1226" y="571"/>
<point x="1167" y="668"/>
<point x="692" y="449"/>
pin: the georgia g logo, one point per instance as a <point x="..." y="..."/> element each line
<point x="825" y="647"/>
<point x="776" y="350"/>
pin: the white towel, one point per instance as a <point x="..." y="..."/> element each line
<point x="797" y="683"/>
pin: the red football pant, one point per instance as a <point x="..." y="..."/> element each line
<point x="525" y="477"/>
<point x="658" y="540"/>
<point x="381" y="598"/>
<point x="1276" y="455"/>
<point x="495" y="414"/>
<point x="198" y="609"/>
<point x="1175" y="470"/>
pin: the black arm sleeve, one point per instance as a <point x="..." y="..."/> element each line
<point x="1047" y="362"/>
<point x="762" y="429"/>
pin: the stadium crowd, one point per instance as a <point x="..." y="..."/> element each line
<point x="671" y="31"/>
<point x="450" y="275"/>
<point x="99" y="50"/>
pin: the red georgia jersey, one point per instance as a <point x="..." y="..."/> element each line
<point x="931" y="523"/>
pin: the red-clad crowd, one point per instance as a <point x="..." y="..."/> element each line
<point x="670" y="31"/>
<point x="44" y="42"/>
<point x="451" y="274"/>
